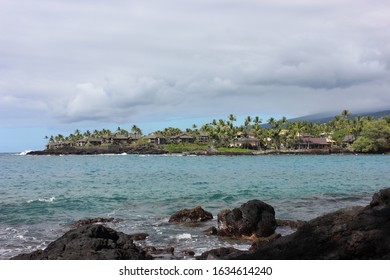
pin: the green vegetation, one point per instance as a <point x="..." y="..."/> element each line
<point x="232" y="150"/>
<point x="358" y="134"/>
<point x="374" y="137"/>
<point x="186" y="147"/>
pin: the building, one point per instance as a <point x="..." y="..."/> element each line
<point x="94" y="141"/>
<point x="313" y="143"/>
<point x="203" y="137"/>
<point x="182" y="138"/>
<point x="245" y="140"/>
<point x="348" y="140"/>
<point x="156" y="139"/>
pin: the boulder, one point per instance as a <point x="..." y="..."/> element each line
<point x="352" y="233"/>
<point x="197" y="214"/>
<point x="254" y="218"/>
<point x="89" y="242"/>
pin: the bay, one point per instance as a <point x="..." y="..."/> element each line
<point x="41" y="196"/>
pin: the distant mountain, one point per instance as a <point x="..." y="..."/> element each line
<point x="327" y="117"/>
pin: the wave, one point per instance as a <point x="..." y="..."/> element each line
<point x="51" y="199"/>
<point x="24" y="153"/>
<point x="183" y="236"/>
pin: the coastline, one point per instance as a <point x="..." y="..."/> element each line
<point x="161" y="151"/>
<point x="360" y="232"/>
<point x="124" y="187"/>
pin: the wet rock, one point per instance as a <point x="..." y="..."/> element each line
<point x="197" y="214"/>
<point x="211" y="231"/>
<point x="91" y="221"/>
<point x="139" y="236"/>
<point x="151" y="250"/>
<point x="290" y="223"/>
<point x="352" y="233"/>
<point x="252" y="218"/>
<point x="89" y="242"/>
<point x="187" y="253"/>
<point x="218" y="254"/>
<point x="258" y="242"/>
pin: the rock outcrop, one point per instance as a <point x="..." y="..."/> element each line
<point x="353" y="233"/>
<point x="89" y="242"/>
<point x="254" y="218"/>
<point x="197" y="214"/>
<point x="99" y="150"/>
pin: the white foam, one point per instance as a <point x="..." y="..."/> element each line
<point x="24" y="153"/>
<point x="51" y="199"/>
<point x="183" y="236"/>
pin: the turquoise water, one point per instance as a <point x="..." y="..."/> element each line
<point x="41" y="196"/>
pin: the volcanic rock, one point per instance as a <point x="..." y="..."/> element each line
<point x="197" y="214"/>
<point x="89" y="242"/>
<point x="91" y="221"/>
<point x="254" y="218"/>
<point x="352" y="233"/>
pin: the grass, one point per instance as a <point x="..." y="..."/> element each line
<point x="233" y="150"/>
<point x="186" y="147"/>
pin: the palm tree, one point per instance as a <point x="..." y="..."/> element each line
<point x="248" y="120"/>
<point x="136" y="130"/>
<point x="232" y="118"/>
<point x="271" y="121"/>
<point x="357" y="126"/>
<point x="257" y="120"/>
<point x="345" y="113"/>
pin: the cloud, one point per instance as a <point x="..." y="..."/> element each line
<point x="74" y="61"/>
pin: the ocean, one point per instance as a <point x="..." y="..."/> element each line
<point x="42" y="196"/>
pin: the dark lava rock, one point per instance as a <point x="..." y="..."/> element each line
<point x="99" y="150"/>
<point x="139" y="236"/>
<point x="218" y="254"/>
<point x="252" y="218"/>
<point x="290" y="223"/>
<point x="159" y="251"/>
<point x="89" y="242"/>
<point x="353" y="233"/>
<point x="91" y="221"/>
<point x="211" y="231"/>
<point x="197" y="214"/>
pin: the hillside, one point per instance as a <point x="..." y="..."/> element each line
<point x="327" y="117"/>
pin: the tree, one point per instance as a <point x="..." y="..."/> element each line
<point x="345" y="113"/>
<point x="375" y="137"/>
<point x="136" y="130"/>
<point x="248" y="120"/>
<point x="232" y="118"/>
<point x="257" y="120"/>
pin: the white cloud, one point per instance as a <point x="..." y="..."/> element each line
<point x="71" y="61"/>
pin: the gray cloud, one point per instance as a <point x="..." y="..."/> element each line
<point x="71" y="61"/>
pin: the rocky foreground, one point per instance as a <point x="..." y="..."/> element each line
<point x="353" y="233"/>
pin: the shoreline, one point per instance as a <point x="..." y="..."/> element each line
<point x="360" y="232"/>
<point x="160" y="151"/>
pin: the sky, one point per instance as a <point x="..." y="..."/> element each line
<point x="86" y="64"/>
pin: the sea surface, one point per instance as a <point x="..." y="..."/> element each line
<point x="42" y="196"/>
